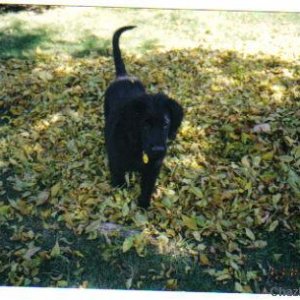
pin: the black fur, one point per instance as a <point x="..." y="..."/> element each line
<point x="137" y="124"/>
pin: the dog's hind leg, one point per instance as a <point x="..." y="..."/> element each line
<point x="149" y="176"/>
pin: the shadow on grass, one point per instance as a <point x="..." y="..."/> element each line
<point x="9" y="8"/>
<point x="230" y="111"/>
<point x="18" y="42"/>
<point x="150" y="45"/>
<point x="98" y="264"/>
<point x="91" y="45"/>
<point x="103" y="265"/>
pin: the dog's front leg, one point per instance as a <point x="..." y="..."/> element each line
<point x="118" y="179"/>
<point x="117" y="175"/>
<point x="149" y="175"/>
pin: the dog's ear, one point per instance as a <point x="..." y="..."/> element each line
<point x="176" y="114"/>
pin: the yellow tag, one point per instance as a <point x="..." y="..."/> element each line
<point x="145" y="158"/>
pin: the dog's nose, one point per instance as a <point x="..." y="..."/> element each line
<point x="158" y="148"/>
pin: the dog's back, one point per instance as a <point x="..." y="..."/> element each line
<point x="120" y="92"/>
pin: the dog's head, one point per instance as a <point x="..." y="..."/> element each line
<point x="156" y="119"/>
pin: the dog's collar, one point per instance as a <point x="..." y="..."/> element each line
<point x="126" y="77"/>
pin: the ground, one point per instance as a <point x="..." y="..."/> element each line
<point x="225" y="216"/>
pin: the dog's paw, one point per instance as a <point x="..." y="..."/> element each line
<point x="118" y="182"/>
<point x="119" y="186"/>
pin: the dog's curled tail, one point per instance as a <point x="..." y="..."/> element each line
<point x="119" y="64"/>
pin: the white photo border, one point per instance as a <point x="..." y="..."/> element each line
<point x="28" y="293"/>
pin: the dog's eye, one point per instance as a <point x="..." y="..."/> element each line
<point x="166" y="122"/>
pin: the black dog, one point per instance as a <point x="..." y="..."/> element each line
<point x="137" y="126"/>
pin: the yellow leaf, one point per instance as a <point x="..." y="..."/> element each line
<point x="171" y="284"/>
<point x="234" y="265"/>
<point x="55" y="250"/>
<point x="140" y="219"/>
<point x="197" y="192"/>
<point x="250" y="234"/>
<point x="128" y="283"/>
<point x="78" y="253"/>
<point x="4" y="209"/>
<point x="42" y="198"/>
<point x="245" y="162"/>
<point x="277" y="256"/>
<point x="273" y="226"/>
<point x="44" y="75"/>
<point x="55" y="189"/>
<point x="30" y="252"/>
<point x="204" y="260"/>
<point x="247" y="289"/>
<point x="128" y="243"/>
<point x="84" y="284"/>
<point x="68" y="219"/>
<point x="125" y="210"/>
<point x="38" y="50"/>
<point x="268" y="155"/>
<point x="62" y="283"/>
<point x="238" y="287"/>
<point x="191" y="223"/>
<point x="223" y="277"/>
<point x="260" y="244"/>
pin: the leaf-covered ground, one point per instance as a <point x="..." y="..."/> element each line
<point x="228" y="196"/>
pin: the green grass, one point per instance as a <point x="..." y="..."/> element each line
<point x="86" y="31"/>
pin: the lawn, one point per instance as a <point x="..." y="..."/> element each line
<point x="226" y="214"/>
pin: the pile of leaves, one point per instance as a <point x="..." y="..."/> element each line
<point x="231" y="178"/>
